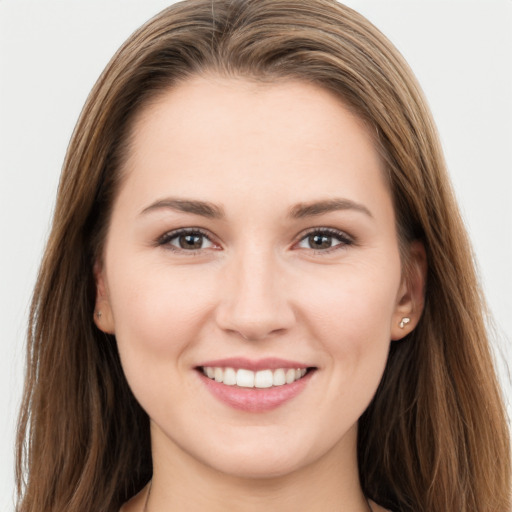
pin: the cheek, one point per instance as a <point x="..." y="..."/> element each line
<point x="351" y="310"/>
<point x="158" y="315"/>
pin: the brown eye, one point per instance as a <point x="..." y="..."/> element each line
<point x="317" y="241"/>
<point x="186" y="240"/>
<point x="190" y="241"/>
<point x="324" y="240"/>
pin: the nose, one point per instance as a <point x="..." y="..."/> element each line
<point x="254" y="302"/>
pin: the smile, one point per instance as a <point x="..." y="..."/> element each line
<point x="254" y="379"/>
<point x="255" y="386"/>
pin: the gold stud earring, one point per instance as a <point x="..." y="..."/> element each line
<point x="405" y="320"/>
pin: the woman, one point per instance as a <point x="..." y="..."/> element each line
<point x="258" y="292"/>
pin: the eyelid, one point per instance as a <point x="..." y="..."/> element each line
<point x="344" y="238"/>
<point x="163" y="240"/>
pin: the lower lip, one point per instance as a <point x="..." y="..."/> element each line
<point x="255" y="399"/>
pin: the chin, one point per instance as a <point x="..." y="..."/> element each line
<point x="257" y="465"/>
<point x="257" y="454"/>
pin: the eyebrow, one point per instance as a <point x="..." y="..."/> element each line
<point x="298" y="211"/>
<point x="314" y="208"/>
<point x="203" y="208"/>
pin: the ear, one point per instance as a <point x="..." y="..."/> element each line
<point x="103" y="317"/>
<point x="411" y="296"/>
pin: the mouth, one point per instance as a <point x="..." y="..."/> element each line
<point x="255" y="386"/>
<point x="261" y="379"/>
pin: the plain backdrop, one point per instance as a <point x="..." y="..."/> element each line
<point x="51" y="53"/>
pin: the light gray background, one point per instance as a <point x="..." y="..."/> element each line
<point x="51" y="53"/>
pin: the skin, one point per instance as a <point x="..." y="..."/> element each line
<point x="255" y="288"/>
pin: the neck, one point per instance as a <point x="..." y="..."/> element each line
<point x="328" y="484"/>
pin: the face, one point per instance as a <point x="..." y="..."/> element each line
<point x="251" y="274"/>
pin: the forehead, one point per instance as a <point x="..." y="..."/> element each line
<point x="212" y="105"/>
<point x="209" y="132"/>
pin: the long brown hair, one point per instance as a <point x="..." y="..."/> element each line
<point x="435" y="436"/>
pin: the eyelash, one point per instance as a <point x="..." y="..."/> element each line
<point x="344" y="239"/>
<point x="165" y="240"/>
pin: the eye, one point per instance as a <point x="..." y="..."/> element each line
<point x="324" y="240"/>
<point x="189" y="240"/>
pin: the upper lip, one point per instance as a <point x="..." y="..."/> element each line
<point x="267" y="363"/>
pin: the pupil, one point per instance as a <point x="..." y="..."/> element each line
<point x="320" y="241"/>
<point x="190" y="241"/>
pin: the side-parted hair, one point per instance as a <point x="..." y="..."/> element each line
<point x="434" y="438"/>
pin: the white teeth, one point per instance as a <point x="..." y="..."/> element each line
<point x="249" y="379"/>
<point x="263" y="379"/>
<point x="219" y="374"/>
<point x="229" y="377"/>
<point x="279" y="378"/>
<point x="245" y="378"/>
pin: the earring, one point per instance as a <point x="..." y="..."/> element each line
<point x="405" y="320"/>
<point x="98" y="314"/>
